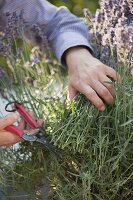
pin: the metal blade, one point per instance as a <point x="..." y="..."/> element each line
<point x="47" y="144"/>
<point x="29" y="138"/>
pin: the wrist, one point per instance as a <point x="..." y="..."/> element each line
<point x="76" y="52"/>
<point x="78" y="55"/>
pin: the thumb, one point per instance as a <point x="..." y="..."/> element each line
<point x="72" y="92"/>
<point x="8" y="120"/>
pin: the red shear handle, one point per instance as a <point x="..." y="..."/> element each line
<point x="15" y="129"/>
<point x="26" y="116"/>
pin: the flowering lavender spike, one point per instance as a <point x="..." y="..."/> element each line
<point x="2" y="71"/>
<point x="113" y="29"/>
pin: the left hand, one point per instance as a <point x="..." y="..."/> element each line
<point x="90" y="77"/>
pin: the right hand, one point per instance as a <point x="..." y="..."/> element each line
<point x="8" y="138"/>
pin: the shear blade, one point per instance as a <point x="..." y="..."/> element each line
<point x="49" y="146"/>
<point x="29" y="138"/>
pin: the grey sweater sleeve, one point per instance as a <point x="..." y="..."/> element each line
<point x="61" y="28"/>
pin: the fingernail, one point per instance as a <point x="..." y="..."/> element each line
<point x="102" y="108"/>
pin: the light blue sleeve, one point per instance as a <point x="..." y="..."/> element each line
<point x="61" y="28"/>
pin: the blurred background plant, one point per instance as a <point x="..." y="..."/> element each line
<point x="95" y="161"/>
<point x="77" y="6"/>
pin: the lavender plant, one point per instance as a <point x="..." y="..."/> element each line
<point x="95" y="159"/>
<point x="112" y="28"/>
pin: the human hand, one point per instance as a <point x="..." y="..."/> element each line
<point x="90" y="77"/>
<point x="8" y="138"/>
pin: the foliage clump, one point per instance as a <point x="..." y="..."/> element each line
<point x="94" y="159"/>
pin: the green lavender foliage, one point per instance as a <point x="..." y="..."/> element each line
<point x="94" y="159"/>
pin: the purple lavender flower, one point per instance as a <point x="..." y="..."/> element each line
<point x="35" y="60"/>
<point x="19" y="52"/>
<point x="113" y="29"/>
<point x="2" y="72"/>
<point x="13" y="27"/>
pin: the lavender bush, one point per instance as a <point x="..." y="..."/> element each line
<point x="112" y="28"/>
<point x="95" y="159"/>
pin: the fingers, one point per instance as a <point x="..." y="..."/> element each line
<point x="8" y="120"/>
<point x="22" y="124"/>
<point x="93" y="97"/>
<point x="111" y="73"/>
<point x="40" y="122"/>
<point x="72" y="92"/>
<point x="100" y="92"/>
<point x="106" y="91"/>
<point x="107" y="84"/>
<point x="8" y="139"/>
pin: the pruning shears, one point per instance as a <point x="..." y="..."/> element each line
<point x="35" y="133"/>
